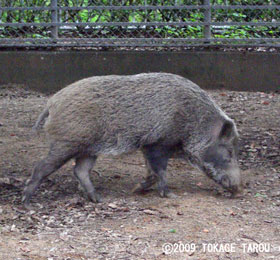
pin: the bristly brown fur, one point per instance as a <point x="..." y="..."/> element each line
<point x="117" y="114"/>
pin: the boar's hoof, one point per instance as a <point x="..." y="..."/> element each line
<point x="167" y="194"/>
<point x="26" y="205"/>
<point x="138" y="188"/>
<point x="171" y="195"/>
<point x="94" y="197"/>
<point x="145" y="185"/>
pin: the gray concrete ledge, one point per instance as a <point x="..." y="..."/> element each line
<point x="48" y="71"/>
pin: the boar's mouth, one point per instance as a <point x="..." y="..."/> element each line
<point x="233" y="188"/>
<point x="230" y="179"/>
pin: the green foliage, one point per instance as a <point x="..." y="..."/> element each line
<point x="138" y="16"/>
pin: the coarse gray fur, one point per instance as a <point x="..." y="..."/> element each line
<point x="162" y="114"/>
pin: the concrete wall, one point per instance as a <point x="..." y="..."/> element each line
<point x="50" y="71"/>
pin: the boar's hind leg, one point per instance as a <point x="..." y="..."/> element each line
<point x="81" y="171"/>
<point x="157" y="159"/>
<point x="56" y="157"/>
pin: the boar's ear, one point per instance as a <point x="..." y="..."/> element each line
<point x="227" y="130"/>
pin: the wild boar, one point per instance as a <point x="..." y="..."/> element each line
<point x="164" y="115"/>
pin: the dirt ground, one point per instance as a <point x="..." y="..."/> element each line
<point x="201" y="223"/>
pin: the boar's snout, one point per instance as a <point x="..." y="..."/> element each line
<point x="232" y="181"/>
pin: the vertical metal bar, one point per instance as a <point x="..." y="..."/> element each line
<point x="0" y="13"/>
<point x="207" y="19"/>
<point x="146" y="12"/>
<point x="54" y="29"/>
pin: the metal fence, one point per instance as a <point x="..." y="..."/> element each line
<point x="128" y="23"/>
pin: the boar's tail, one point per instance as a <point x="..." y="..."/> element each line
<point x="41" y="120"/>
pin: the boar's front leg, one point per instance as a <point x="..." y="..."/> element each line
<point x="81" y="171"/>
<point x="149" y="181"/>
<point x="156" y="157"/>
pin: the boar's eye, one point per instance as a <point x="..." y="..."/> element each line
<point x="219" y="156"/>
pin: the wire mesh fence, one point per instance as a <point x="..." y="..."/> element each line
<point x="89" y="23"/>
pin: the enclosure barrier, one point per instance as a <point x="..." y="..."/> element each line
<point x="142" y="23"/>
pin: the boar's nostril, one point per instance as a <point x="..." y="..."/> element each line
<point x="236" y="191"/>
<point x="232" y="188"/>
